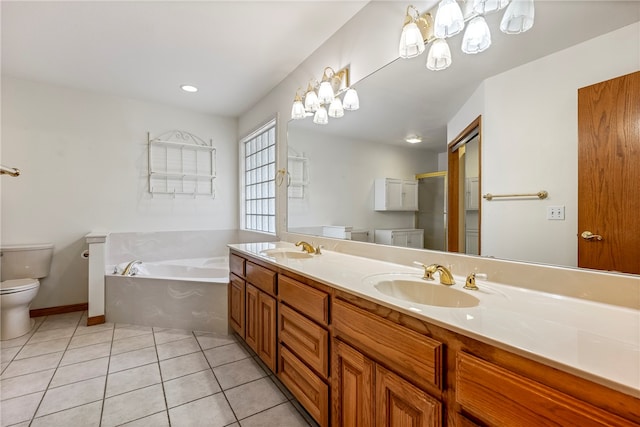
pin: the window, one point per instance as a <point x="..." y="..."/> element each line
<point x="259" y="189"/>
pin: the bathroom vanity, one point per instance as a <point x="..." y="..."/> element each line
<point x="353" y="353"/>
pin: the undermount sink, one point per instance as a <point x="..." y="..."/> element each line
<point x="285" y="253"/>
<point x="414" y="289"/>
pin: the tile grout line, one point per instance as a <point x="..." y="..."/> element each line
<point x="164" y="394"/>
<point x="106" y="379"/>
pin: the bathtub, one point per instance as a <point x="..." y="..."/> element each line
<point x="181" y="294"/>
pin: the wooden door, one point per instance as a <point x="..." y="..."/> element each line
<point x="236" y="304"/>
<point x="251" y="317"/>
<point x="609" y="175"/>
<point x="352" y="387"/>
<point x="401" y="404"/>
<point x="267" y="330"/>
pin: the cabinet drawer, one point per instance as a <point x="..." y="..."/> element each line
<point x="306" y="386"/>
<point x="498" y="396"/>
<point x="236" y="265"/>
<point x="411" y="354"/>
<point x="305" y="338"/>
<point x="305" y="299"/>
<point x="261" y="278"/>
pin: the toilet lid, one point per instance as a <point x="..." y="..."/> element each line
<point x="17" y="285"/>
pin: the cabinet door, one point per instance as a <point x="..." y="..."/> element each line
<point x="394" y="194"/>
<point x="352" y="387"/>
<point x="251" y="317"/>
<point x="267" y="330"/>
<point x="399" y="403"/>
<point x="415" y="239"/>
<point x="399" y="238"/>
<point x="236" y="305"/>
<point x="410" y="195"/>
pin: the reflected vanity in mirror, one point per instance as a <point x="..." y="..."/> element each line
<point x="524" y="88"/>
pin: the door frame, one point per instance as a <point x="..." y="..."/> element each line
<point x="453" y="191"/>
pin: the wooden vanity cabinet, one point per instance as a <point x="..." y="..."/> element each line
<point x="303" y="322"/>
<point x="237" y="304"/>
<point x="369" y="385"/>
<point x="260" y="313"/>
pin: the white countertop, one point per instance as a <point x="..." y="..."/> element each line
<point x="596" y="341"/>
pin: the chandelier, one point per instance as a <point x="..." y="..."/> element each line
<point x="322" y="100"/>
<point x="421" y="29"/>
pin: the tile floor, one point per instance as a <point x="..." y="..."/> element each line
<point x="64" y="373"/>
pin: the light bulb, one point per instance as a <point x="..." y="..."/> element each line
<point x="351" y="101"/>
<point x="297" y="110"/>
<point x="321" y="117"/>
<point x="439" y="56"/>
<point x="518" y="17"/>
<point x="411" y="41"/>
<point x="487" y="6"/>
<point x="335" y="108"/>
<point x="311" y="102"/>
<point x="477" y="36"/>
<point x="449" y="20"/>
<point x="325" y="93"/>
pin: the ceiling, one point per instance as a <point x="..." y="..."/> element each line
<point x="235" y="52"/>
<point x="405" y="98"/>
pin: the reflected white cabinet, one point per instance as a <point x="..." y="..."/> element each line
<point x="473" y="193"/>
<point x="405" y="237"/>
<point x="392" y="194"/>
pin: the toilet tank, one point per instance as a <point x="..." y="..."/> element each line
<point x="25" y="261"/>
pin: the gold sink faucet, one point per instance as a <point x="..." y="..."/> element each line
<point x="306" y="247"/>
<point x="446" y="278"/>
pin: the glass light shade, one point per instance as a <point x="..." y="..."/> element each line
<point x="518" y="17"/>
<point x="477" y="36"/>
<point x="411" y="41"/>
<point x="351" y="101"/>
<point x="487" y="6"/>
<point x="311" y="102"/>
<point x="449" y="20"/>
<point x="297" y="110"/>
<point x="321" y="117"/>
<point x="439" y="56"/>
<point x="335" y="108"/>
<point x="325" y="93"/>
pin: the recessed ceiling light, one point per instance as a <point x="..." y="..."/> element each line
<point x="413" y="139"/>
<point x="189" y="88"/>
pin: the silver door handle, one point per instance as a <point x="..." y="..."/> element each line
<point x="587" y="235"/>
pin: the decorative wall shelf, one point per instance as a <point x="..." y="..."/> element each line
<point x="181" y="163"/>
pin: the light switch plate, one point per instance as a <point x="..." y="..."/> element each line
<point x="555" y="212"/>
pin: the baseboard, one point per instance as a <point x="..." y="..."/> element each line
<point x="95" y="320"/>
<point x="49" y="311"/>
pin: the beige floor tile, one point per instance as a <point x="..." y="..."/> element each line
<point x="71" y="395"/>
<point x="133" y="379"/>
<point x="8" y="353"/>
<point x="25" y="384"/>
<point x="86" y="416"/>
<point x="132" y="343"/>
<point x="257" y="396"/>
<point x="208" y="340"/>
<point x="226" y="354"/>
<point x="80" y="372"/>
<point x="282" y="415"/>
<point x="60" y="321"/>
<point x="19" y="409"/>
<point x="211" y="411"/>
<point x="83" y="329"/>
<point x="167" y="335"/>
<point x="133" y="405"/>
<point x="82" y="354"/>
<point x="91" y="339"/>
<point x="43" y="347"/>
<point x="160" y="419"/>
<point x="52" y="334"/>
<point x="281" y="387"/>
<point x="177" y="348"/>
<point x="19" y="341"/>
<point x="190" y="387"/>
<point x="183" y="365"/>
<point x="237" y="373"/>
<point x="132" y="359"/>
<point x="31" y="365"/>
<point x="126" y="331"/>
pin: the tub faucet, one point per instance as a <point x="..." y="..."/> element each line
<point x="306" y="247"/>
<point x="446" y="278"/>
<point x="129" y="270"/>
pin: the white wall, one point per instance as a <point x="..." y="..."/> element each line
<point x="83" y="158"/>
<point x="530" y="142"/>
<point x="352" y="204"/>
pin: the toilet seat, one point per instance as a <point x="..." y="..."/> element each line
<point x="17" y="285"/>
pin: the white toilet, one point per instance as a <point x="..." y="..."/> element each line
<point x="21" y="267"/>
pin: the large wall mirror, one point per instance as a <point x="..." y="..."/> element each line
<point x="524" y="88"/>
